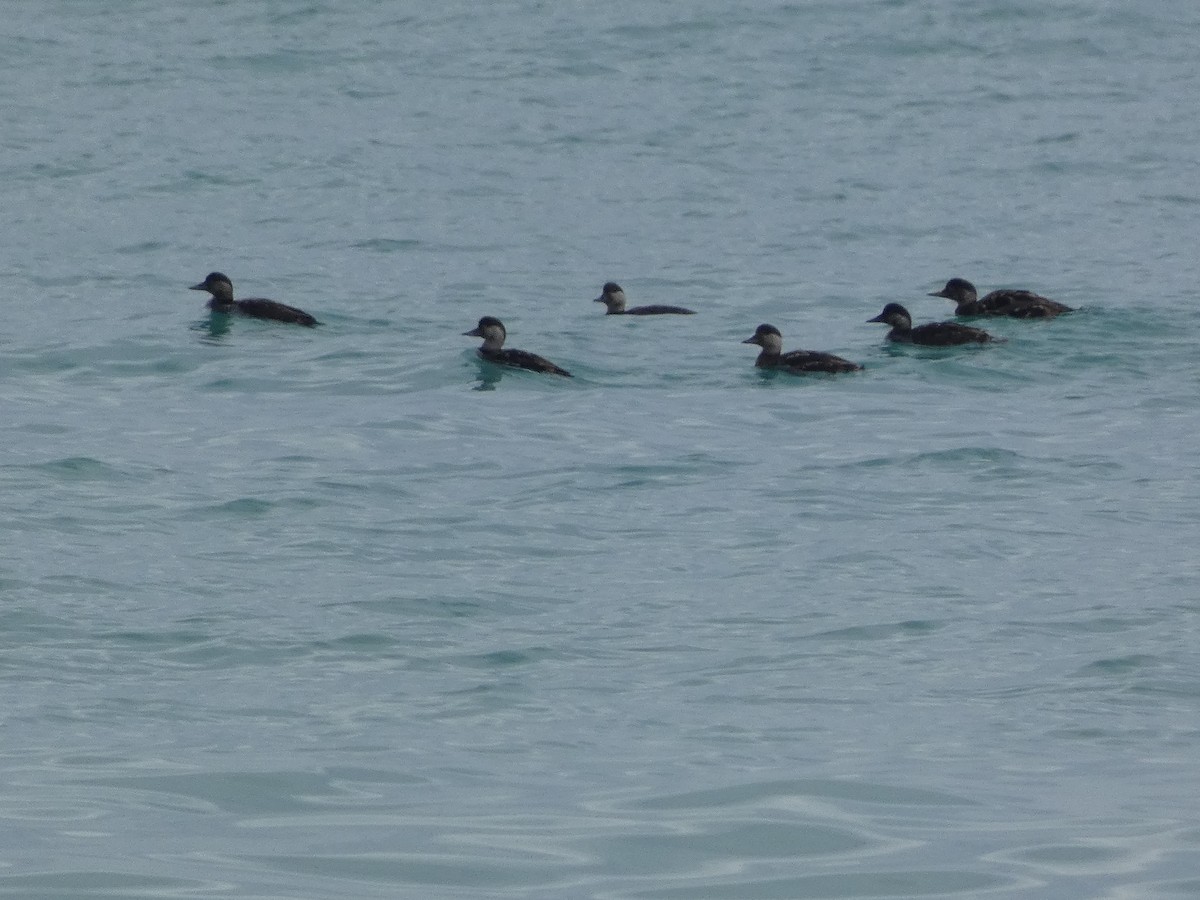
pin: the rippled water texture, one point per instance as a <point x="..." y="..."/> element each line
<point x="345" y="612"/>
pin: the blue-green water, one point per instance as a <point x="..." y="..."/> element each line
<point x="293" y="613"/>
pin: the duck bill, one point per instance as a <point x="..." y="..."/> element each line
<point x="198" y="287"/>
<point x="474" y="332"/>
<point x="599" y="299"/>
<point x="753" y="340"/>
<point x="878" y="318"/>
<point x="942" y="293"/>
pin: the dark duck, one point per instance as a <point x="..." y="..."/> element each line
<point x="1014" y="303"/>
<point x="613" y="298"/>
<point x="798" y="362"/>
<point x="932" y="334"/>
<point x="492" y="331"/>
<point x="222" y="301"/>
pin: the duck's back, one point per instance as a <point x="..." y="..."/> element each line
<point x="1018" y="304"/>
<point x="523" y="359"/>
<point x="946" y="334"/>
<point x="659" y="310"/>
<point x="815" y="361"/>
<point x="262" y="308"/>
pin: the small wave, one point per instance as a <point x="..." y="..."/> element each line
<point x="387" y="245"/>
<point x="81" y="468"/>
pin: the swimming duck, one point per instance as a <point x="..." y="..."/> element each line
<point x="222" y="301"/>
<point x="1014" y="303"/>
<point x="933" y="334"/>
<point x="795" y="361"/>
<point x="492" y="331"/>
<point x="613" y="297"/>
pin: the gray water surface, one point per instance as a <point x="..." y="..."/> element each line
<point x="347" y="613"/>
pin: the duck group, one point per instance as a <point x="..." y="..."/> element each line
<point x="1016" y="304"/>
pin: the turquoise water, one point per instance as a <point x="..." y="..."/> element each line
<point x="347" y="613"/>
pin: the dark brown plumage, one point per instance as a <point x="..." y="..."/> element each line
<point x="493" y="333"/>
<point x="222" y="301"/>
<point x="1015" y="304"/>
<point x="933" y="334"/>
<point x="613" y="298"/>
<point x="798" y="362"/>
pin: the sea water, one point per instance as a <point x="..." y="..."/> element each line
<point x="346" y="612"/>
